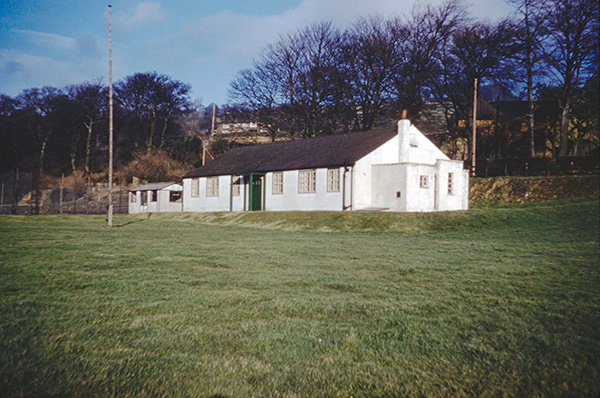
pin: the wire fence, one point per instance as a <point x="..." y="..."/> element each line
<point x="536" y="166"/>
<point x="20" y="194"/>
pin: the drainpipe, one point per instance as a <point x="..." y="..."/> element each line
<point x="344" y="188"/>
<point x="351" y="187"/>
<point x="346" y="169"/>
<point x="250" y="196"/>
<point x="231" y="193"/>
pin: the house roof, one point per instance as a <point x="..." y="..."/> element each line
<point x="153" y="186"/>
<point x="328" y="151"/>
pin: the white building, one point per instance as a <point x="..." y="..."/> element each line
<point x="156" y="197"/>
<point x="379" y="169"/>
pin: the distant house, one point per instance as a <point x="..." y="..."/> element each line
<point x="381" y="169"/>
<point x="156" y="197"/>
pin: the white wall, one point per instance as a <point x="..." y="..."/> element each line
<point x="420" y="198"/>
<point x="459" y="198"/>
<point x="361" y="175"/>
<point x="291" y="199"/>
<point x="162" y="204"/>
<point x="207" y="203"/>
<point x="388" y="185"/>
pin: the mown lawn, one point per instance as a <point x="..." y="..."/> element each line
<point x="489" y="302"/>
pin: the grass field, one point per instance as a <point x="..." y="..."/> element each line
<point x="489" y="302"/>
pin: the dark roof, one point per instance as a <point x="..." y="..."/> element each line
<point x="328" y="151"/>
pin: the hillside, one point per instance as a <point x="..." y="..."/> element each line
<point x="510" y="191"/>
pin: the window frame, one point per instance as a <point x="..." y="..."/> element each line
<point x="212" y="187"/>
<point x="450" y="183"/>
<point x="307" y="181"/>
<point x="277" y="183"/>
<point x="195" y="189"/>
<point x="236" y="184"/>
<point x="172" y="194"/>
<point x="333" y="180"/>
<point x="423" y="181"/>
<point x="133" y="197"/>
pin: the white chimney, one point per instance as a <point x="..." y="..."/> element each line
<point x="403" y="139"/>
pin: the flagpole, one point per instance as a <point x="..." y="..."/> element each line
<point x="109" y="216"/>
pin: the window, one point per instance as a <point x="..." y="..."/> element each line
<point x="306" y="181"/>
<point x="212" y="186"/>
<point x="133" y="197"/>
<point x="424" y="181"/>
<point x="175" y="196"/>
<point x="277" y="183"/>
<point x="195" y="187"/>
<point x="235" y="188"/>
<point x="333" y="180"/>
<point x="144" y="195"/>
<point x="154" y="195"/>
<point x="450" y="182"/>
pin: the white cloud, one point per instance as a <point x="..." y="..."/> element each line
<point x="48" y="40"/>
<point x="144" y="13"/>
<point x="17" y="67"/>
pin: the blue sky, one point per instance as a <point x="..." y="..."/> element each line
<point x="202" y="43"/>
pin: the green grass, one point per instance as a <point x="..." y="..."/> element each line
<point x="489" y="302"/>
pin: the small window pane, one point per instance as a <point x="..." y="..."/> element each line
<point x="235" y="188"/>
<point x="195" y="187"/>
<point x="277" y="183"/>
<point x="212" y="186"/>
<point x="333" y="180"/>
<point x="307" y="181"/>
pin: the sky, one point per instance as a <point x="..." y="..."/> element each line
<point x="203" y="43"/>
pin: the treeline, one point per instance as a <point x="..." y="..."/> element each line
<point x="52" y="131"/>
<point x="323" y="80"/>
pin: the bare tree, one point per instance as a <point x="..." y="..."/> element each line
<point x="91" y="102"/>
<point x="370" y="52"/>
<point x="316" y="84"/>
<point x="479" y="50"/>
<point x="428" y="30"/>
<point x="571" y="53"/>
<point x="530" y="35"/>
<point x="152" y="101"/>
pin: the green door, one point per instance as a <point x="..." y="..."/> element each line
<point x="256" y="192"/>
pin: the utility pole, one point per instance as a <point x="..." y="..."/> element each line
<point x="474" y="136"/>
<point x="109" y="213"/>
<point x="212" y="129"/>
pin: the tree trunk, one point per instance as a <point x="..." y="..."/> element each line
<point x="149" y="142"/>
<point x="531" y="113"/>
<point x="162" y="133"/>
<point x="88" y="146"/>
<point x="564" y="130"/>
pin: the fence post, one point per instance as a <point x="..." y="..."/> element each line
<point x="60" y="196"/>
<point x="15" y="189"/>
<point x="2" y="200"/>
<point x="87" y="197"/>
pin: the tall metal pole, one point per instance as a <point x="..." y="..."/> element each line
<point x="109" y="215"/>
<point x="474" y="136"/>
